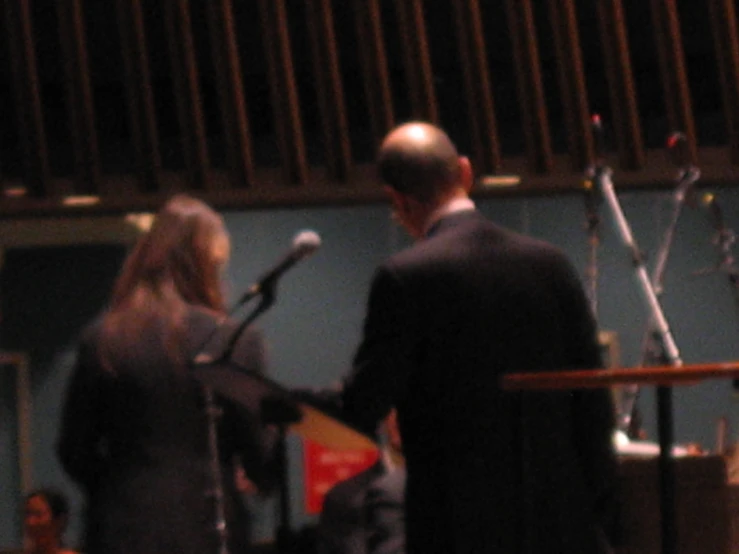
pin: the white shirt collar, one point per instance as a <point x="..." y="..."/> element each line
<point x="455" y="205"/>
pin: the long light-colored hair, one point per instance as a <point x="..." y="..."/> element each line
<point x="172" y="267"/>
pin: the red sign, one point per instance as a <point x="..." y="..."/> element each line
<point x="325" y="467"/>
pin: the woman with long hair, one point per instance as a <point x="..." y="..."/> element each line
<point x="135" y="425"/>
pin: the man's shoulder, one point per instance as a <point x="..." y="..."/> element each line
<point x="475" y="229"/>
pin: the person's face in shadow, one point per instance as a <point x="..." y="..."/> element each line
<point x="39" y="523"/>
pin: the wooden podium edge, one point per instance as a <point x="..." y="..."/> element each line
<point x="602" y="378"/>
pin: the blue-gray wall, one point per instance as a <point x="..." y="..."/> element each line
<point x="48" y="294"/>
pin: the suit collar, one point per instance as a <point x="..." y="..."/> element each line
<point x="454" y="205"/>
<point x="452" y="220"/>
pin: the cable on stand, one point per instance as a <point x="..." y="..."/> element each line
<point x="602" y="176"/>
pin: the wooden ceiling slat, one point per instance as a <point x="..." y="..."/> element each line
<point x="417" y="60"/>
<point x="186" y="83"/>
<point x="476" y="77"/>
<point x="572" y="83"/>
<point x="230" y="86"/>
<point x="29" y="109"/>
<point x="621" y="88"/>
<point x="371" y="62"/>
<point x="375" y="73"/>
<point x="80" y="98"/>
<point x="530" y="85"/>
<point x="726" y="39"/>
<point x="284" y="91"/>
<point x="297" y="160"/>
<point x="330" y="89"/>
<point x="144" y="132"/>
<point x="676" y="91"/>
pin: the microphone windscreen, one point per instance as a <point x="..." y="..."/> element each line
<point x="306" y="242"/>
<point x="596" y="126"/>
<point x="678" y="148"/>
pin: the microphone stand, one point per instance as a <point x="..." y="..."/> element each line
<point x="284" y="534"/>
<point x="686" y="180"/>
<point x="669" y="348"/>
<point x="213" y="413"/>
<point x="651" y="352"/>
<point x="724" y="240"/>
<point x="304" y="244"/>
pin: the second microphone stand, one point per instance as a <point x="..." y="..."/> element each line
<point x="602" y="176"/>
<point x="284" y="533"/>
<point x="651" y="353"/>
<point x="724" y="241"/>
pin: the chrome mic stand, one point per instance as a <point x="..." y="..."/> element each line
<point x="602" y="176"/>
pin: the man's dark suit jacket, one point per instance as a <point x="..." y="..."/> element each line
<point x="488" y="470"/>
<point x="364" y="514"/>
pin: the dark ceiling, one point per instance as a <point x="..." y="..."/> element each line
<point x="275" y="102"/>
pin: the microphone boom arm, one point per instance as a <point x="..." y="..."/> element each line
<point x="688" y="177"/>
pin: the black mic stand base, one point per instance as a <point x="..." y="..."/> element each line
<point x="284" y="535"/>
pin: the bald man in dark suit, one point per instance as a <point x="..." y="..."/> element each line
<point x="488" y="471"/>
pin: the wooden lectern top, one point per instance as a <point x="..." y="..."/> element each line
<point x="600" y="378"/>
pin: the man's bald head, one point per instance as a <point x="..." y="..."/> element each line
<point x="419" y="159"/>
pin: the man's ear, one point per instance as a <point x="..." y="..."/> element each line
<point x="466" y="174"/>
<point x="398" y="198"/>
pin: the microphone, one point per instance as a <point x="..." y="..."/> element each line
<point x="304" y="244"/>
<point x="599" y="139"/>
<point x="591" y="187"/>
<point x="677" y="148"/>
